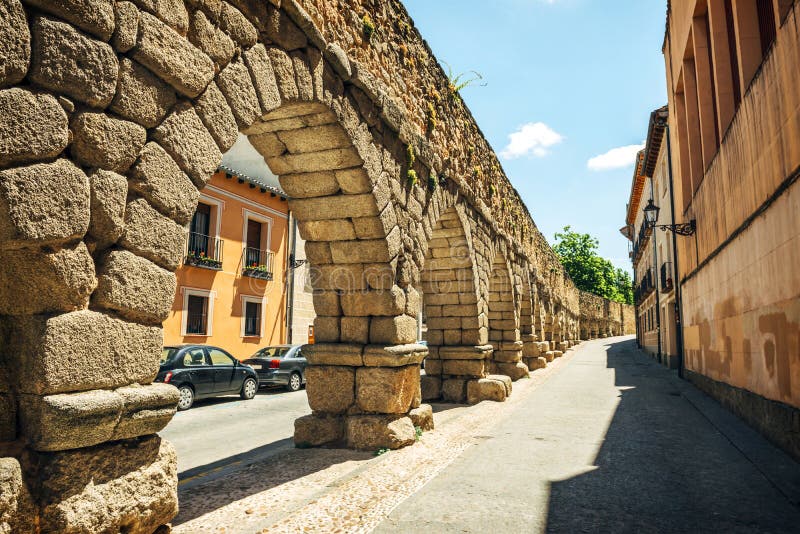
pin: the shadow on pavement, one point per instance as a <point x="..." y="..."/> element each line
<point x="663" y="467"/>
<point x="439" y="407"/>
<point x="204" y="472"/>
<point x="210" y="487"/>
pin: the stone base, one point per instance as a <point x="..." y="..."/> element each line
<point x="127" y="486"/>
<point x="775" y="420"/>
<point x="422" y="417"/>
<point x="513" y="370"/>
<point x="314" y="430"/>
<point x="362" y="432"/>
<point x="431" y="387"/>
<point x="454" y="390"/>
<point x="373" y="432"/>
<point x="17" y="511"/>
<point x="494" y="388"/>
<point x="539" y="362"/>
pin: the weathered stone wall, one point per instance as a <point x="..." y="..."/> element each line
<point x="113" y="115"/>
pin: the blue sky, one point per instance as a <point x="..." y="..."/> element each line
<point x="583" y="75"/>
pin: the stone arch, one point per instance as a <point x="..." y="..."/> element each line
<point x="504" y="333"/>
<point x="127" y="108"/>
<point x="450" y="300"/>
<point x="122" y="137"/>
<point x="532" y="354"/>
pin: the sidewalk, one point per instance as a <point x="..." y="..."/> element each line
<point x="603" y="439"/>
<point x="613" y="443"/>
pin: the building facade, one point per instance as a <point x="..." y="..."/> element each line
<point x="235" y="284"/>
<point x="652" y="250"/>
<point x="734" y="127"/>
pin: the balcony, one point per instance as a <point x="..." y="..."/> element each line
<point x="204" y="251"/>
<point x="257" y="263"/>
<point x="645" y="288"/>
<point x="639" y="246"/>
<point x="667" y="284"/>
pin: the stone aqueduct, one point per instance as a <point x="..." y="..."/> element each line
<point x="113" y="115"/>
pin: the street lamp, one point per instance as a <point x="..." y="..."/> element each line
<point x="651" y="216"/>
<point x="651" y="213"/>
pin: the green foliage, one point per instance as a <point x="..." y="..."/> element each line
<point x="412" y="177"/>
<point x="457" y="82"/>
<point x="368" y="28"/>
<point x="431" y="116"/>
<point x="433" y="182"/>
<point x="590" y="272"/>
<point x="379" y="452"/>
<point x="411" y="157"/>
<point x="418" y="432"/>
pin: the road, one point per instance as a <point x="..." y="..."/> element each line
<point x="602" y="440"/>
<point x="224" y="430"/>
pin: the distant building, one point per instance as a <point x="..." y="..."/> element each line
<point x="236" y="288"/>
<point x="652" y="251"/>
<point x="734" y="127"/>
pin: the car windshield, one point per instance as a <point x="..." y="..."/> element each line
<point x="166" y="354"/>
<point x="272" y="352"/>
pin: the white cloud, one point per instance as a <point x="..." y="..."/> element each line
<point x="533" y="138"/>
<point x="616" y="158"/>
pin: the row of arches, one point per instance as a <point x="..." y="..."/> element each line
<point x="122" y="113"/>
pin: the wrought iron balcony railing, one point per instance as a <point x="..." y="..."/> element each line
<point x="257" y="263"/>
<point x="666" y="277"/>
<point x="204" y="251"/>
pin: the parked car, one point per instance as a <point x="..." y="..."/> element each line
<point x="282" y="365"/>
<point x="202" y="371"/>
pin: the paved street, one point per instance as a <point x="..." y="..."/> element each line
<point x="224" y="430"/>
<point x="602" y="440"/>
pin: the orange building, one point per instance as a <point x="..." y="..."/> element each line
<point x="232" y="288"/>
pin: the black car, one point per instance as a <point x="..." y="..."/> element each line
<point x="282" y="365"/>
<point x="201" y="371"/>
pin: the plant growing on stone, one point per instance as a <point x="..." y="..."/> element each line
<point x="457" y="82"/>
<point x="411" y="156"/>
<point x="418" y="432"/>
<point x="379" y="452"/>
<point x="368" y="27"/>
<point x="411" y="176"/>
<point x="433" y="182"/>
<point x="431" y="117"/>
<point x="404" y="27"/>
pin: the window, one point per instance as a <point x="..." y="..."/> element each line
<point x="197" y="315"/>
<point x="252" y="316"/>
<point x="198" y="311"/>
<point x="199" y="242"/>
<point x="219" y="358"/>
<point x="256" y="242"/>
<point x="733" y="53"/>
<point x="194" y="358"/>
<point x="271" y="352"/>
<point x="166" y="354"/>
<point x="766" y="24"/>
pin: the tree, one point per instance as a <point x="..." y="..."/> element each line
<point x="590" y="272"/>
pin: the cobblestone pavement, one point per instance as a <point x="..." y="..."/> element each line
<point x="603" y="439"/>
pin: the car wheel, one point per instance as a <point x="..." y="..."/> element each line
<point x="186" y="397"/>
<point x="249" y="389"/>
<point x="295" y="382"/>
